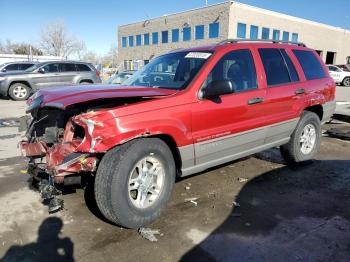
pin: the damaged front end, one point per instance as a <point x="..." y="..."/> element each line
<point x="64" y="145"/>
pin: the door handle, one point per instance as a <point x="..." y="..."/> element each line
<point x="255" y="100"/>
<point x="300" y="91"/>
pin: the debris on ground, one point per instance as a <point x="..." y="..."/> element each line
<point x="193" y="200"/>
<point x="188" y="186"/>
<point x="8" y="123"/>
<point x="149" y="233"/>
<point x="334" y="132"/>
<point x="242" y="179"/>
<point x="236" y="204"/>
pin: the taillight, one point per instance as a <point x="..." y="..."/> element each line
<point x="98" y="73"/>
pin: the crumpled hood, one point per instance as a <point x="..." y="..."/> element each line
<point x="62" y="97"/>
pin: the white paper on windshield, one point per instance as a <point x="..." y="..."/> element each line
<point x="200" y="55"/>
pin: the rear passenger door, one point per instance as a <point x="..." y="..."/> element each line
<point x="284" y="89"/>
<point x="67" y="73"/>
<point x="232" y="125"/>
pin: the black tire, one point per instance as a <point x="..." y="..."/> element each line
<point x="291" y="151"/>
<point x="346" y="81"/>
<point x="112" y="178"/>
<point x="19" y="92"/>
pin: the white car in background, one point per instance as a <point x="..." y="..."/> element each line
<point x="340" y="74"/>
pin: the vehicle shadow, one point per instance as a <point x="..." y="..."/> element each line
<point x="285" y="214"/>
<point x="48" y="247"/>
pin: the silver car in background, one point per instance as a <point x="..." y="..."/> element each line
<point x="19" y="85"/>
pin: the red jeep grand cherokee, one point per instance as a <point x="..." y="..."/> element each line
<point x="184" y="112"/>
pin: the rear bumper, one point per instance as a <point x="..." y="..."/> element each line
<point x="328" y="111"/>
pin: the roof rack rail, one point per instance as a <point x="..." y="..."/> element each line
<point x="233" y="41"/>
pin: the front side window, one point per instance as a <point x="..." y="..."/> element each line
<point x="276" y="35"/>
<point x="285" y="36"/>
<point x="123" y="41"/>
<point x="146" y="39"/>
<point x="254" y="30"/>
<point x="275" y="68"/>
<point x="175" y="35"/>
<point x="241" y="30"/>
<point x="171" y="71"/>
<point x="238" y="68"/>
<point x="187" y="34"/>
<point x="214" y="29"/>
<point x="138" y="40"/>
<point x="265" y="33"/>
<point x="311" y="66"/>
<point x="199" y="32"/>
<point x="155" y="38"/>
<point x="51" y="68"/>
<point x="164" y="37"/>
<point x="333" y="68"/>
<point x="131" y="41"/>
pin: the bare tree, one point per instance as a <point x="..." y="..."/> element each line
<point x="19" y="48"/>
<point x="56" y="40"/>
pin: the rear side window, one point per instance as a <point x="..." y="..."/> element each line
<point x="24" y="66"/>
<point x="275" y="68"/>
<point x="82" y="67"/>
<point x="237" y="67"/>
<point x="290" y="66"/>
<point x="66" y="67"/>
<point x="310" y="64"/>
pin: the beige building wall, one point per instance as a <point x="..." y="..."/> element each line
<point x="201" y="16"/>
<point x="315" y="35"/>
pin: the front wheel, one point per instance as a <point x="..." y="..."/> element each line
<point x="305" y="140"/>
<point x="19" y="91"/>
<point x="134" y="182"/>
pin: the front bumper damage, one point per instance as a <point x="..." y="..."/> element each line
<point x="58" y="163"/>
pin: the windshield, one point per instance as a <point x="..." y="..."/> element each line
<point x="173" y="71"/>
<point x="33" y="67"/>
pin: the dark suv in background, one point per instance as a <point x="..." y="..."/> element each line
<point x="19" y="85"/>
<point x="16" y="66"/>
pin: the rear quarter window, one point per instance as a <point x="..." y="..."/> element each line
<point x="311" y="66"/>
<point x="82" y="67"/>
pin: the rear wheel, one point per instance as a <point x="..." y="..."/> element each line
<point x="305" y="140"/>
<point x="19" y="91"/>
<point x="346" y="81"/>
<point x="134" y="182"/>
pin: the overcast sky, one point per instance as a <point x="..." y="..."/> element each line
<point x="96" y="21"/>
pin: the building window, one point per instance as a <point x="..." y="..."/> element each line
<point x="186" y="34"/>
<point x="265" y="33"/>
<point x="138" y="40"/>
<point x="124" y="41"/>
<point x="241" y="30"/>
<point x="155" y="38"/>
<point x="131" y="41"/>
<point x="276" y="35"/>
<point x="175" y="35"/>
<point x="214" y="30"/>
<point x="146" y="39"/>
<point x="254" y="30"/>
<point x="199" y="32"/>
<point x="295" y="38"/>
<point x="164" y="37"/>
<point x="285" y="36"/>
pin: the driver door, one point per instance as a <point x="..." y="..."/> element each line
<point x="48" y="77"/>
<point x="231" y="125"/>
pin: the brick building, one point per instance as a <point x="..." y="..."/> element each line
<point x="141" y="41"/>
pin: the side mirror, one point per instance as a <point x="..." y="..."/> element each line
<point x="3" y="70"/>
<point x="41" y="70"/>
<point x="218" y="88"/>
